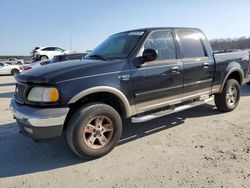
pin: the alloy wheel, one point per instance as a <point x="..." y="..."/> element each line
<point x="98" y="132"/>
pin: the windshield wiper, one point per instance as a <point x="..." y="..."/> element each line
<point x="100" y="57"/>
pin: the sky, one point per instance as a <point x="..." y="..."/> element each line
<point x="25" y="24"/>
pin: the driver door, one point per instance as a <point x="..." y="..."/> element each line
<point x="158" y="83"/>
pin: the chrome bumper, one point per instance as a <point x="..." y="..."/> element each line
<point x="40" y="123"/>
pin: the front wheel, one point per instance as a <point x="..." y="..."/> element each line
<point x="229" y="99"/>
<point x="94" y="130"/>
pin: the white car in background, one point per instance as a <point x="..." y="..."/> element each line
<point x="43" y="53"/>
<point x="14" y="61"/>
<point x="9" y="69"/>
<point x="58" y="58"/>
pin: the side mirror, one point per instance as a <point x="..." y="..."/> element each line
<point x="149" y="55"/>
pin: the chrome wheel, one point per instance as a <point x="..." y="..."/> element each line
<point x="232" y="95"/>
<point x="98" y="132"/>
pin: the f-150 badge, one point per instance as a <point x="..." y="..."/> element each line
<point x="123" y="77"/>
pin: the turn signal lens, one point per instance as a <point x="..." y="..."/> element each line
<point x="54" y="95"/>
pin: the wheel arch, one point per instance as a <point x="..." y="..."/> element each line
<point x="43" y="55"/>
<point x="105" y="91"/>
<point x="14" y="69"/>
<point x="234" y="73"/>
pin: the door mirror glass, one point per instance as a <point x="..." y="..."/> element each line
<point x="149" y="55"/>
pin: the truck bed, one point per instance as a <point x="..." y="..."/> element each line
<point x="241" y="57"/>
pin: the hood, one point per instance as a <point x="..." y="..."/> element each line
<point x="56" y="72"/>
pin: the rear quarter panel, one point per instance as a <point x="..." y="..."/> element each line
<point x="227" y="63"/>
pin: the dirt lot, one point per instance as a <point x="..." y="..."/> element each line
<point x="195" y="148"/>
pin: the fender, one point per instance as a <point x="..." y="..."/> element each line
<point x="234" y="69"/>
<point x="130" y="110"/>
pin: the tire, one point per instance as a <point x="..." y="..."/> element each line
<point x="248" y="83"/>
<point x="84" y="136"/>
<point x="44" y="57"/>
<point x="14" y="71"/>
<point x="229" y="99"/>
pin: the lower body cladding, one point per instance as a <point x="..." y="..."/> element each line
<point x="39" y="123"/>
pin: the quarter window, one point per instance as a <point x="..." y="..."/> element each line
<point x="163" y="43"/>
<point x="191" y="44"/>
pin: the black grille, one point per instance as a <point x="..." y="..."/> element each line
<point x="20" y="93"/>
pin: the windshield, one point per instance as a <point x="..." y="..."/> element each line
<point x="117" y="46"/>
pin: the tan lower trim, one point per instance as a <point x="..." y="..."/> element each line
<point x="216" y="89"/>
<point x="159" y="103"/>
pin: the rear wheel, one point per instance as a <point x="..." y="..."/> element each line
<point x="14" y="71"/>
<point x="44" y="57"/>
<point x="229" y="99"/>
<point x="94" y="130"/>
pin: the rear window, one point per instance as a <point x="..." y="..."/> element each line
<point x="191" y="44"/>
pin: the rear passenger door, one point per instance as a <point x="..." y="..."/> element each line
<point x="198" y="67"/>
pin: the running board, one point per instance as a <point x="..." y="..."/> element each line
<point x="170" y="111"/>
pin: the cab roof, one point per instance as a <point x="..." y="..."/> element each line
<point x="160" y="28"/>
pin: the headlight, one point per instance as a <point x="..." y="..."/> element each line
<point x="43" y="94"/>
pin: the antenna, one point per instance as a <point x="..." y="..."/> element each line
<point x="70" y="41"/>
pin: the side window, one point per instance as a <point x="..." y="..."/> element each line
<point x="1" y="64"/>
<point x="46" y="49"/>
<point x="191" y="44"/>
<point x="49" y="49"/>
<point x="163" y="43"/>
<point x="59" y="49"/>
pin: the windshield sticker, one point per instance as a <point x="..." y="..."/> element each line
<point x="136" y="33"/>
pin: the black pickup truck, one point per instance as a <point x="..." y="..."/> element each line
<point x="140" y="74"/>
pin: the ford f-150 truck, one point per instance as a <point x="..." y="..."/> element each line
<point x="140" y="74"/>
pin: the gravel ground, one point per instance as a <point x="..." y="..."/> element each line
<point x="200" y="147"/>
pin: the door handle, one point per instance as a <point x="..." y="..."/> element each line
<point x="174" y="69"/>
<point x="205" y="65"/>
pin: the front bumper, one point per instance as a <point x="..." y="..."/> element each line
<point x="39" y="123"/>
